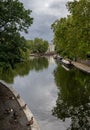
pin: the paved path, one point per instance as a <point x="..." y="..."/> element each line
<point x="9" y="105"/>
<point x="82" y="67"/>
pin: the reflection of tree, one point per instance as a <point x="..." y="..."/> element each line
<point x="73" y="98"/>
<point x="39" y="63"/>
<point x="7" y="73"/>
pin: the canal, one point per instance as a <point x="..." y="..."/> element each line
<point x="59" y="98"/>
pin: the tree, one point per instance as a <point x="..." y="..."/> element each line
<point x="14" y="18"/>
<point x="80" y="11"/>
<point x="38" y="45"/>
<point x="72" y="32"/>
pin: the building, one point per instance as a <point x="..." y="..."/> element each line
<point x="51" y="48"/>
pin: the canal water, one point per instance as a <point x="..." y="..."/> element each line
<point x="58" y="97"/>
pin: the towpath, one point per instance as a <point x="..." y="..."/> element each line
<point x="82" y="67"/>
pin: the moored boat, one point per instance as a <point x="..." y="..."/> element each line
<point x="67" y="62"/>
<point x="57" y="57"/>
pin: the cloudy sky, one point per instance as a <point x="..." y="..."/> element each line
<point x="44" y="12"/>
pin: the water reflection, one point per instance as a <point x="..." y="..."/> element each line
<point x="7" y="73"/>
<point x="39" y="91"/>
<point x="73" y="98"/>
<point x="45" y="85"/>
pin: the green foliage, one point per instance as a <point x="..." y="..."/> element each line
<point x="72" y="34"/>
<point x="30" y="44"/>
<point x="37" y="45"/>
<point x="14" y="18"/>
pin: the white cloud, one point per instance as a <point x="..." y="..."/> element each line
<point x="44" y="12"/>
<point x="44" y="6"/>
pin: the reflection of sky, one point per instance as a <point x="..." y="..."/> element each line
<point x="39" y="91"/>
